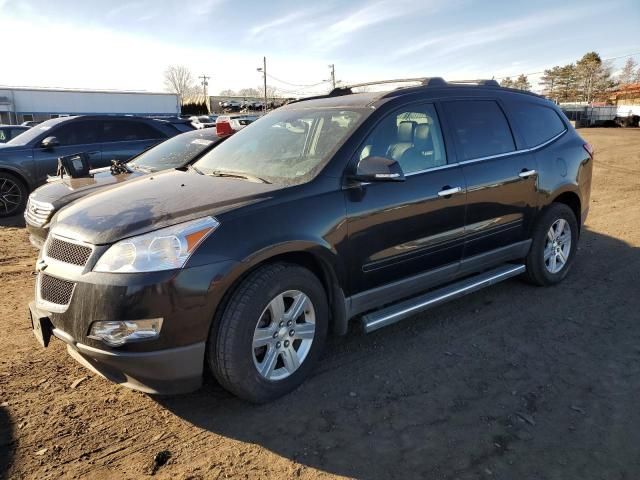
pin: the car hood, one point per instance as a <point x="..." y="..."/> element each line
<point x="154" y="201"/>
<point x="63" y="191"/>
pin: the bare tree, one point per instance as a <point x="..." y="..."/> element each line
<point x="249" y="92"/>
<point x="228" y="93"/>
<point x="629" y="74"/>
<point x="178" y="79"/>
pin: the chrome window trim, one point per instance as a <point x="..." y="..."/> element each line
<point x="489" y="157"/>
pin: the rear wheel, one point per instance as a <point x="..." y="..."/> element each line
<point x="555" y="241"/>
<point x="271" y="333"/>
<point x="13" y="195"/>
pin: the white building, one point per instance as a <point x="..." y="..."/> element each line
<point x="18" y="104"/>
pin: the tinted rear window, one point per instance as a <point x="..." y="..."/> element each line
<point x="129" y="130"/>
<point x="480" y="128"/>
<point x="536" y="123"/>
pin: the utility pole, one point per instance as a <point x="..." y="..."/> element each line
<point x="263" y="69"/>
<point x="332" y="67"/>
<point x="205" y="84"/>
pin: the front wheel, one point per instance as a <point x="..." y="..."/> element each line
<point x="271" y="333"/>
<point x="555" y="241"/>
<point x="13" y="195"/>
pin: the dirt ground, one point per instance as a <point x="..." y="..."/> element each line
<point x="513" y="382"/>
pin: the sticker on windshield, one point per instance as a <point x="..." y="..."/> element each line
<point x="202" y="141"/>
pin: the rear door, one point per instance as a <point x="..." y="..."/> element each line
<point x="398" y="230"/>
<point x="76" y="136"/>
<point x="501" y="179"/>
<point x="122" y="139"/>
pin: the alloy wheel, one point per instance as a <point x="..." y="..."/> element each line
<point x="10" y="196"/>
<point x="557" y="246"/>
<point x="283" y="335"/>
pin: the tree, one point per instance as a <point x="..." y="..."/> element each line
<point x="228" y="93"/>
<point x="629" y="73"/>
<point x="506" y="82"/>
<point x="549" y="82"/>
<point x="249" y="92"/>
<point x="178" y="79"/>
<point x="566" y="90"/>
<point x="593" y="76"/>
<point x="522" y="83"/>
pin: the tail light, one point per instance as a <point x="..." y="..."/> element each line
<point x="223" y="126"/>
<point x="589" y="148"/>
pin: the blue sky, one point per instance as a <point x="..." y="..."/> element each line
<point x="128" y="44"/>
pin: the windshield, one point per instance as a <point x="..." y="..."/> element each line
<point x="175" y="152"/>
<point x="286" y="146"/>
<point x="33" y="132"/>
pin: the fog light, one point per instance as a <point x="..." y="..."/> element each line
<point x="121" y="332"/>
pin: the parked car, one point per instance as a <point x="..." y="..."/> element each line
<point x="202" y="121"/>
<point x="7" y="132"/>
<point x="176" y="152"/>
<point x="231" y="106"/>
<point x="179" y="123"/>
<point x="227" y="125"/>
<point x="30" y="123"/>
<point x="368" y="205"/>
<point x="26" y="160"/>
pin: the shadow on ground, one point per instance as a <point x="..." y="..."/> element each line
<point x="513" y="379"/>
<point x="6" y="442"/>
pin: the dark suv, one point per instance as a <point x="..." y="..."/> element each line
<point x="369" y="205"/>
<point x="26" y="160"/>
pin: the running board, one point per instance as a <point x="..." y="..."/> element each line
<point x="399" y="311"/>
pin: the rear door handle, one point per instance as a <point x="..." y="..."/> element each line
<point x="448" y="191"/>
<point x="527" y="173"/>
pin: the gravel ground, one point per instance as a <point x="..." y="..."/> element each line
<point x="513" y="382"/>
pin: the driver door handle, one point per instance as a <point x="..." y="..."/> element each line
<point x="448" y="191"/>
<point x="527" y="173"/>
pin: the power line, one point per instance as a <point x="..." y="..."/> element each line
<point x="604" y="60"/>
<point x="296" y="84"/>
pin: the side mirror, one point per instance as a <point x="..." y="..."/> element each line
<point x="49" y="143"/>
<point x="378" y="169"/>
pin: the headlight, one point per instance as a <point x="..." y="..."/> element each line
<point x="119" y="333"/>
<point x="163" y="249"/>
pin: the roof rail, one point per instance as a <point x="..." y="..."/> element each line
<point x="480" y="81"/>
<point x="424" y="81"/>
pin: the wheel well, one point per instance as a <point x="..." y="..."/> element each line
<point x="18" y="176"/>
<point x="571" y="200"/>
<point x="311" y="263"/>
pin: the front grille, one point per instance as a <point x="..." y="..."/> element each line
<point x="55" y="290"/>
<point x="68" y="252"/>
<point x="38" y="213"/>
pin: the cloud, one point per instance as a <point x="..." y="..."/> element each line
<point x="278" y="22"/>
<point x="455" y="41"/>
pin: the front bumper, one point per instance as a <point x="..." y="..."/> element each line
<point x="167" y="371"/>
<point x="37" y="235"/>
<point x="185" y="299"/>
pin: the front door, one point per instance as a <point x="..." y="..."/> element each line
<point x="400" y="230"/>
<point x="79" y="136"/>
<point x="501" y="181"/>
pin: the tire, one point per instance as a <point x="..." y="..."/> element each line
<point x="545" y="267"/>
<point x="252" y="317"/>
<point x="13" y="195"/>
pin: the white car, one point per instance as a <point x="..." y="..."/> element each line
<point x="202" y="121"/>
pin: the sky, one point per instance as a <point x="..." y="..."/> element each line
<point x="128" y="44"/>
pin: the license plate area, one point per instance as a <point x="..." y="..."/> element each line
<point x="41" y="326"/>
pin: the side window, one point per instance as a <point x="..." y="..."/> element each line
<point x="78" y="132"/>
<point x="480" y="128"/>
<point x="411" y="136"/>
<point x="3" y="136"/>
<point x="537" y="123"/>
<point x="122" y="131"/>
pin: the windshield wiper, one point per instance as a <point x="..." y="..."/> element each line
<point x="192" y="167"/>
<point x="227" y="173"/>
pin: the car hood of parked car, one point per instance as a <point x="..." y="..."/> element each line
<point x="154" y="201"/>
<point x="63" y="191"/>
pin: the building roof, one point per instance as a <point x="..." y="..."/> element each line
<point x="82" y="90"/>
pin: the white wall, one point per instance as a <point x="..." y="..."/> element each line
<point x="72" y="102"/>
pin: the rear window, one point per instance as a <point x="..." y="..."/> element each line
<point x="537" y="123"/>
<point x="480" y="128"/>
